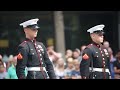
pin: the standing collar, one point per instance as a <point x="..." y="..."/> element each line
<point x="27" y="39"/>
<point x="94" y="43"/>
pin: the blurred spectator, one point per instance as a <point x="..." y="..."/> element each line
<point x="82" y="48"/>
<point x="5" y="58"/>
<point x="76" y="54"/>
<point x="59" y="55"/>
<point x="68" y="69"/>
<point x="3" y="73"/>
<point x="1" y="58"/>
<point x="69" y="60"/>
<point x="68" y="54"/>
<point x="12" y="69"/>
<point x="59" y="70"/>
<point x="112" y="59"/>
<point x="76" y="71"/>
<point x="10" y="58"/>
<point x="117" y="66"/>
<point x="54" y="56"/>
<point x="106" y="44"/>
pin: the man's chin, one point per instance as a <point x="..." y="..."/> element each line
<point x="35" y="36"/>
<point x="101" y="41"/>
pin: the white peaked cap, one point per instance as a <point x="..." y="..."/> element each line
<point x="29" y="22"/>
<point x="96" y="28"/>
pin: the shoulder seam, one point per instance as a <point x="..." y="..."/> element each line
<point x="23" y="43"/>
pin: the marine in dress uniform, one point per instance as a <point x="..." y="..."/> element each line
<point x="95" y="62"/>
<point x="33" y="56"/>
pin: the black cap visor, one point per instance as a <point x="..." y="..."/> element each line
<point x="100" y="33"/>
<point x="34" y="27"/>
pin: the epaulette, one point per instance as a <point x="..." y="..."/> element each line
<point x="89" y="45"/>
<point x="23" y="43"/>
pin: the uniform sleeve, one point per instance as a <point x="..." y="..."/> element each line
<point x="21" y="62"/>
<point x="49" y="65"/>
<point x="85" y="63"/>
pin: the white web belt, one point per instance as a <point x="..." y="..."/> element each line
<point x="99" y="70"/>
<point x="36" y="68"/>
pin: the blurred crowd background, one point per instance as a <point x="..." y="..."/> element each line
<point x="64" y="42"/>
<point x="65" y="68"/>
